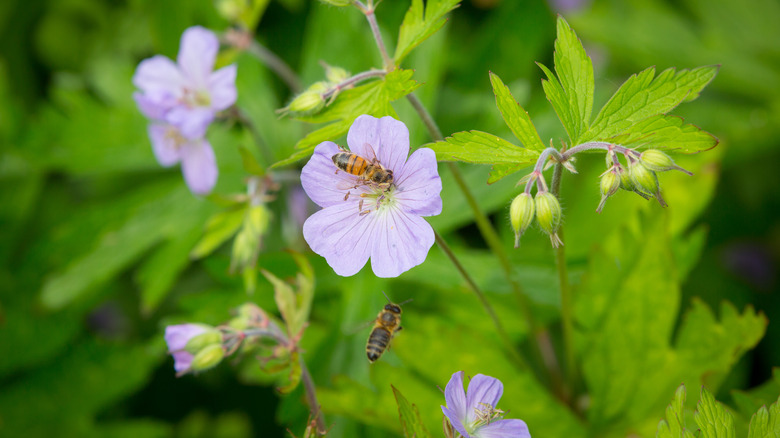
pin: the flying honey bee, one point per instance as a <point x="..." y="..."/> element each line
<point x="370" y="172"/>
<point x="388" y="323"/>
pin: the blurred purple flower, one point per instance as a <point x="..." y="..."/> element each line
<point x="187" y="94"/>
<point x="384" y="224"/>
<point x="177" y="336"/>
<point x="474" y="415"/>
<point x="198" y="163"/>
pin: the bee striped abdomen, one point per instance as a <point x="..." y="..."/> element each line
<point x="377" y="343"/>
<point x="350" y="163"/>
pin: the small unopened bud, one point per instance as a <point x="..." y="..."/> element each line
<point x="230" y="9"/>
<point x="549" y="215"/>
<point x="658" y="161"/>
<point x="521" y="213"/>
<point x="208" y="358"/>
<point x="645" y="180"/>
<point x="610" y="183"/>
<point x="309" y="102"/>
<point x="335" y="75"/>
<point x="197" y="343"/>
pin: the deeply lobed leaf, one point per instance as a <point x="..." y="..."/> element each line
<point x="482" y="148"/>
<point x="420" y="23"/>
<point x="515" y="116"/>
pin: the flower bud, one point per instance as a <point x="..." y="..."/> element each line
<point x="521" y="213"/>
<point x="308" y="102"/>
<point x="208" y="358"/>
<point x="645" y="180"/>
<point x="199" y="342"/>
<point x="548" y="212"/>
<point x="335" y="75"/>
<point x="230" y="9"/>
<point x="658" y="161"/>
<point x="609" y="184"/>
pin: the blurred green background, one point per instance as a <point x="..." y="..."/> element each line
<point x="96" y="235"/>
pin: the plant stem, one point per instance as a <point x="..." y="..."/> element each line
<point x="483" y="300"/>
<point x="368" y="11"/>
<point x="277" y="65"/>
<point x="311" y="397"/>
<point x="353" y="80"/>
<point x="566" y="296"/>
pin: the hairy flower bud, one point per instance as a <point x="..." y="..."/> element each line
<point x="334" y="75"/>
<point x="210" y="337"/>
<point x="658" y="161"/>
<point x="208" y="358"/>
<point x="645" y="181"/>
<point x="521" y="213"/>
<point x="609" y="184"/>
<point x="549" y="215"/>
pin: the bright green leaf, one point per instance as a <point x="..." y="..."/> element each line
<point x="499" y="171"/>
<point x="575" y="73"/>
<point x="713" y="419"/>
<point x="674" y="424"/>
<point x="641" y="97"/>
<point x="410" y="417"/>
<point x="482" y="148"/>
<point x="667" y="133"/>
<point x="766" y="422"/>
<point x="219" y="228"/>
<point x="515" y="116"/>
<point x="420" y="24"/>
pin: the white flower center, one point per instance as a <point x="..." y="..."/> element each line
<point x="377" y="199"/>
<point x="485" y="416"/>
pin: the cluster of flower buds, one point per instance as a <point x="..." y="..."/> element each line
<point x="640" y="177"/>
<point x="545" y="207"/>
<point x="313" y="99"/>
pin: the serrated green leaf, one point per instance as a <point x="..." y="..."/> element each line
<point x="410" y="417"/>
<point x="294" y="375"/>
<point x="575" y="73"/>
<point x="557" y="97"/>
<point x="499" y="171"/>
<point x="766" y="422"/>
<point x="674" y="425"/>
<point x="667" y="133"/>
<point x="641" y="97"/>
<point x="713" y="419"/>
<point x="219" y="228"/>
<point x="482" y="148"/>
<point x="419" y="24"/>
<point x="515" y="116"/>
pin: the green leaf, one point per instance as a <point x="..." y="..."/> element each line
<point x="373" y="99"/>
<point x="766" y="422"/>
<point x="515" y="116"/>
<point x="251" y="165"/>
<point x="575" y="73"/>
<point x="410" y="417"/>
<point x="713" y="419"/>
<point x="420" y="24"/>
<point x="641" y="97"/>
<point x="499" y="171"/>
<point x="219" y="229"/>
<point x="674" y="425"/>
<point x="482" y="148"/>
<point x="667" y="133"/>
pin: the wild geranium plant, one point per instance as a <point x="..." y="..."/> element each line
<point x="590" y="382"/>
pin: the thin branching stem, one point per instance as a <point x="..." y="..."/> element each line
<point x="362" y="76"/>
<point x="311" y="397"/>
<point x="368" y="11"/>
<point x="518" y="359"/>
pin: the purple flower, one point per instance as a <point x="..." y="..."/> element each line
<point x="474" y="415"/>
<point x="177" y="337"/>
<point x="187" y="94"/>
<point x="198" y="163"/>
<point x="359" y="220"/>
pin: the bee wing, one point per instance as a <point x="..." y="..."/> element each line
<point x="357" y="328"/>
<point x="370" y="153"/>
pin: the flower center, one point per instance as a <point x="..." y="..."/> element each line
<point x="485" y="415"/>
<point x="379" y="198"/>
<point x="196" y="98"/>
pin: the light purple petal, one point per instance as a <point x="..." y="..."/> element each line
<point x="401" y="242"/>
<point x="222" y="88"/>
<point x="341" y="235"/>
<point x="419" y="185"/>
<point x="158" y="75"/>
<point x="482" y="389"/>
<point x="182" y="361"/>
<point x="321" y="182"/>
<point x="456" y="397"/>
<point x="197" y="53"/>
<point x="164" y="143"/>
<point x="504" y="429"/>
<point x="199" y="166"/>
<point x="191" y="122"/>
<point x="455" y="421"/>
<point x="154" y="107"/>
<point x="388" y="137"/>
<point x="177" y="336"/>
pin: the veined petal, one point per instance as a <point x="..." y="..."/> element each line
<point x="419" y="185"/>
<point x="191" y="122"/>
<point x="199" y="166"/>
<point x="322" y="183"/>
<point x="401" y="242"/>
<point x="341" y="235"/>
<point x="158" y="75"/>
<point x="222" y="88"/>
<point x="482" y="389"/>
<point x="388" y="137"/>
<point x="182" y="361"/>
<point x="197" y="53"/>
<point x="504" y="429"/>
<point x="455" y="396"/>
<point x="165" y="143"/>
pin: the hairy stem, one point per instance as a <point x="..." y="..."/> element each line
<point x="368" y="11"/>
<point x="277" y="65"/>
<point x="566" y="296"/>
<point x="353" y="80"/>
<point x="483" y="300"/>
<point x="311" y="397"/>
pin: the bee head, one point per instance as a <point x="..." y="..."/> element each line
<point x="395" y="308"/>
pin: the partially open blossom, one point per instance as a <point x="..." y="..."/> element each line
<point x="473" y="413"/>
<point x="198" y="163"/>
<point x="359" y="220"/>
<point x="185" y="341"/>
